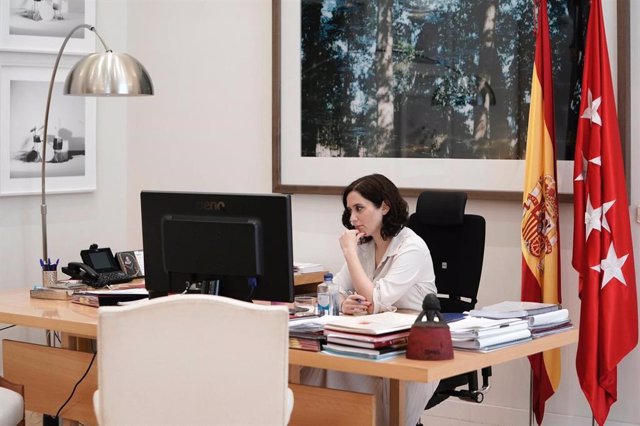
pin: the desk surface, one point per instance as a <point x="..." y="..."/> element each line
<point x="17" y="307"/>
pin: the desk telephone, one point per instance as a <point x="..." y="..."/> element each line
<point x="99" y="268"/>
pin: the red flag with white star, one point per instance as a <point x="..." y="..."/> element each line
<point x="602" y="246"/>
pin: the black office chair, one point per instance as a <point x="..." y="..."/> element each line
<point x="456" y="243"/>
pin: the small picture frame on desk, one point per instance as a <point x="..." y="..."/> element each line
<point x="131" y="262"/>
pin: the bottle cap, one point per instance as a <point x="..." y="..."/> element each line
<point x="328" y="276"/>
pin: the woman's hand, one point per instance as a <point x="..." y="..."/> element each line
<point x="355" y="304"/>
<point x="349" y="241"/>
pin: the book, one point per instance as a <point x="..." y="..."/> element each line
<point x="386" y="322"/>
<point x="38" y="292"/>
<point x="108" y="297"/>
<point x="366" y="351"/>
<point x="350" y="352"/>
<point x="395" y="342"/>
<point x="489" y="341"/>
<point x="367" y="337"/>
<point x="511" y="309"/>
<point x="313" y="345"/>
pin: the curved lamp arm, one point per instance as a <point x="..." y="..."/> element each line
<point x="43" y="205"/>
<point x="118" y="75"/>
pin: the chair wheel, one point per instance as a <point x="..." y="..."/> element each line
<point x="478" y="397"/>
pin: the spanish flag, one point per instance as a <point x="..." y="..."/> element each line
<point x="540" y="239"/>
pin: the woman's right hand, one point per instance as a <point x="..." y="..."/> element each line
<point x="355" y="304"/>
<point x="349" y="241"/>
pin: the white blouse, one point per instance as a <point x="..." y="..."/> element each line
<point x="404" y="276"/>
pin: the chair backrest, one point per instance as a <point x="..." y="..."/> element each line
<point x="11" y="403"/>
<point x="192" y="359"/>
<point x="456" y="242"/>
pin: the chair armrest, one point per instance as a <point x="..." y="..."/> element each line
<point x="12" y="386"/>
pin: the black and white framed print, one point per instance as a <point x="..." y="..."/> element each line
<point x="42" y="25"/>
<point x="70" y="141"/>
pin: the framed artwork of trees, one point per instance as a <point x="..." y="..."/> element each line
<point x="432" y="93"/>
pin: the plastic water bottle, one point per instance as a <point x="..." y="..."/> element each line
<point x="324" y="297"/>
<point x="334" y="294"/>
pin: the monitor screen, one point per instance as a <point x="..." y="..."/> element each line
<point x="234" y="245"/>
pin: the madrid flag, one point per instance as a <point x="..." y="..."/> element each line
<point x="540" y="238"/>
<point x="602" y="247"/>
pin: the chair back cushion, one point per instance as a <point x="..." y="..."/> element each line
<point x="456" y="242"/>
<point x="11" y="407"/>
<point x="193" y="359"/>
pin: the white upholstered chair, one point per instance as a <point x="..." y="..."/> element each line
<point x="11" y="403"/>
<point x="193" y="359"/>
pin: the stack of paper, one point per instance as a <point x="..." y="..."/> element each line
<point x="307" y="336"/>
<point x="484" y="334"/>
<point x="514" y="309"/>
<point x="306" y="267"/>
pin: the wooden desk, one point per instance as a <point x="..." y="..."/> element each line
<point x="16" y="307"/>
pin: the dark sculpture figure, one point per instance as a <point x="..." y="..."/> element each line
<point x="430" y="340"/>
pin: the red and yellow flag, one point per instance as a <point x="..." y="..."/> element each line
<point x="602" y="245"/>
<point x="540" y="238"/>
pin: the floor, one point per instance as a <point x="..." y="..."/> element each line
<point x="33" y="419"/>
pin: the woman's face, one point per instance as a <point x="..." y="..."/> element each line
<point x="365" y="216"/>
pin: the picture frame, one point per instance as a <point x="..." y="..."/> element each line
<point x="480" y="178"/>
<point x="71" y="166"/>
<point x="41" y="26"/>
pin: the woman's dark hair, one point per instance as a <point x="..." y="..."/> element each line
<point x="378" y="188"/>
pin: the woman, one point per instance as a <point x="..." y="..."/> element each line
<point x="387" y="267"/>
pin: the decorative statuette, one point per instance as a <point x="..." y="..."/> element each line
<point x="430" y="340"/>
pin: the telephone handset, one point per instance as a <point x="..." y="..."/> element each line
<point x="99" y="268"/>
<point x="80" y="271"/>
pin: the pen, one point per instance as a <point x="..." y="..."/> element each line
<point x="350" y="292"/>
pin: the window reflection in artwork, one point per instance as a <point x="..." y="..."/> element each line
<point x="432" y="78"/>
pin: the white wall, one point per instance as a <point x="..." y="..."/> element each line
<point x="209" y="129"/>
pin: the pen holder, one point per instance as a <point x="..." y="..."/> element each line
<point x="49" y="278"/>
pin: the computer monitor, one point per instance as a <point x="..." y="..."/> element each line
<point x="234" y="245"/>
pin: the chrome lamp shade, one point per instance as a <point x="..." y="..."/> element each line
<point x="108" y="74"/>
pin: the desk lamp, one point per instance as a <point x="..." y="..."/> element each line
<point x="97" y="74"/>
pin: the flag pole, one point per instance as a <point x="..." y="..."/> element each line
<point x="530" y="397"/>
